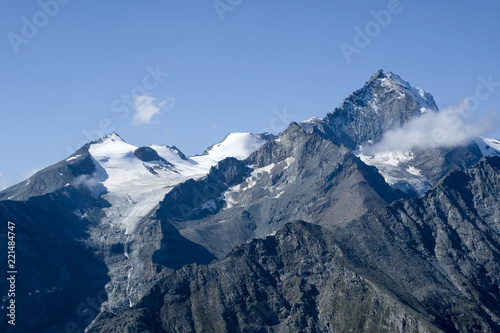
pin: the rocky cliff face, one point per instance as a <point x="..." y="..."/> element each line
<point x="60" y="281"/>
<point x="425" y="265"/>
<point x="300" y="175"/>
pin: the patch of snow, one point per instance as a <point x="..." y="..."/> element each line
<point x="386" y="158"/>
<point x="228" y="198"/>
<point x="210" y="205"/>
<point x="229" y="195"/>
<point x="414" y="171"/>
<point x="421" y="92"/>
<point x="279" y="194"/>
<point x="312" y="120"/>
<point x="373" y="104"/>
<point x="73" y="158"/>
<point x="396" y="169"/>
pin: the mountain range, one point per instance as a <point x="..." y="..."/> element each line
<point x="312" y="230"/>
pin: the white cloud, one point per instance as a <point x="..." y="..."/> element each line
<point x="90" y="182"/>
<point x="3" y="182"/>
<point x="147" y="107"/>
<point x="449" y="127"/>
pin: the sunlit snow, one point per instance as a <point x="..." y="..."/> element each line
<point x="395" y="168"/>
<point x="489" y="147"/>
<point x="134" y="188"/>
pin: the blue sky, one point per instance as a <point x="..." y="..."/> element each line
<point x="69" y="68"/>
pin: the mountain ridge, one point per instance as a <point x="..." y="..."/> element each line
<point x="279" y="283"/>
<point x="126" y="198"/>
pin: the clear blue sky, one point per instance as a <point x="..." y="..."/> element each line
<point x="230" y="69"/>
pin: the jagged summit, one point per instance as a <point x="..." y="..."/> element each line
<point x="385" y="102"/>
<point x="394" y="81"/>
<point x="379" y="75"/>
<point x="110" y="137"/>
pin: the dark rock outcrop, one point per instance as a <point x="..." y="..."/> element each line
<point x="148" y="154"/>
<point x="59" y="280"/>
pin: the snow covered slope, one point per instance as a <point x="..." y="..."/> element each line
<point x="238" y="145"/>
<point x="397" y="169"/>
<point x="403" y="170"/>
<point x="137" y="178"/>
<point x="489" y="147"/>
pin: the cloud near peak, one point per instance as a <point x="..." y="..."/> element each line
<point x="449" y="127"/>
<point x="147" y="107"/>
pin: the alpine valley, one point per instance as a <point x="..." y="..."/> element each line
<point x="312" y="230"/>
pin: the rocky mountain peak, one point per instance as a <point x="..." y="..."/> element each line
<point x="110" y="137"/>
<point x="385" y="102"/>
<point x="148" y="154"/>
<point x="379" y="75"/>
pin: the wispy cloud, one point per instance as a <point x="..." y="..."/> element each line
<point x="148" y="106"/>
<point x="450" y="127"/>
<point x="92" y="183"/>
<point x="3" y="182"/>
